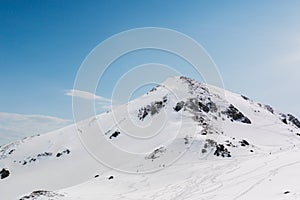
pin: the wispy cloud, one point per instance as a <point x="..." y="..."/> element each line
<point x="103" y="104"/>
<point x="15" y="126"/>
<point x="86" y="95"/>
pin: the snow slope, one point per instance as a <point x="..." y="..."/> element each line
<point x="208" y="144"/>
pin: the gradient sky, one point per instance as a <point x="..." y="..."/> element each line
<point x="255" y="44"/>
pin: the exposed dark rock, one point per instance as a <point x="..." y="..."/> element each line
<point x="4" y="173"/>
<point x="222" y="151"/>
<point x="204" y="132"/>
<point x="244" y="143"/>
<point x="34" y="158"/>
<point x="210" y="143"/>
<point x="7" y="150"/>
<point x="259" y="104"/>
<point x="212" y="106"/>
<point x="229" y="144"/>
<point x="156" y="153"/>
<point x="294" y="120"/>
<point x="151" y="109"/>
<point x="41" y="193"/>
<point x="96" y="176"/>
<point x="45" y="154"/>
<point x="284" y="120"/>
<point x="115" y="134"/>
<point x="194" y="86"/>
<point x="244" y="97"/>
<point x="165" y="99"/>
<point x="155" y="108"/>
<point x="143" y="112"/>
<point x="269" y="108"/>
<point x="59" y="154"/>
<point x="235" y="115"/>
<point x="111" y="177"/>
<point x="286" y="192"/>
<point x="187" y="139"/>
<point x="179" y="106"/>
<point x="11" y="151"/>
<point x="197" y="105"/>
<point x="203" y="107"/>
<point x="153" y="89"/>
<point x="192" y="104"/>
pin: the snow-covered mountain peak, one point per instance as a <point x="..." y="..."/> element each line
<point x="201" y="141"/>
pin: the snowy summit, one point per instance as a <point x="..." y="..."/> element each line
<point x="197" y="142"/>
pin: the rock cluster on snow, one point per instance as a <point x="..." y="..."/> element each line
<point x="293" y="120"/>
<point x="4" y="173"/>
<point x="59" y="154"/>
<point x="115" y="134"/>
<point x="235" y="115"/>
<point x="41" y="193"/>
<point x="152" y="109"/>
<point x="156" y="153"/>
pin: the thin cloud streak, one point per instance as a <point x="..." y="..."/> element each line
<point x="86" y="95"/>
<point x="103" y="104"/>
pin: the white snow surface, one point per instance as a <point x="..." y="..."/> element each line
<point x="260" y="159"/>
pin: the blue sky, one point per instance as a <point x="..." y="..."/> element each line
<point x="255" y="44"/>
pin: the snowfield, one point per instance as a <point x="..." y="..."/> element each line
<point x="200" y="142"/>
